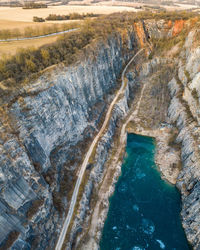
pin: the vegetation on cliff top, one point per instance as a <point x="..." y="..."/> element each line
<point x="165" y="44"/>
<point x="27" y="63"/>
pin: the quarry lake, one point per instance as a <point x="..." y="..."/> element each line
<point x="144" y="210"/>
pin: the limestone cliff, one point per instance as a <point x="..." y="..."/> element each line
<point x="184" y="112"/>
<point x="44" y="134"/>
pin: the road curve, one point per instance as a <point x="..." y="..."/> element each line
<point x="85" y="162"/>
<point x="36" y="37"/>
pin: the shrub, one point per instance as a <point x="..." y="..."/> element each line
<point x="11" y="238"/>
<point x="57" y="202"/>
<point x="195" y="94"/>
<point x="34" y="208"/>
<point x="38" y="19"/>
<point x="187" y="74"/>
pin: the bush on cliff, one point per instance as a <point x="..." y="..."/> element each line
<point x="10" y="239"/>
<point x="164" y="44"/>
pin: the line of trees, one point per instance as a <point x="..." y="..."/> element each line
<point x="71" y="16"/>
<point x="32" y="5"/>
<point x="36" y="31"/>
<point x="28" y="62"/>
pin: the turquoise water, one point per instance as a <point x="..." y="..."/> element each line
<point x="144" y="210"/>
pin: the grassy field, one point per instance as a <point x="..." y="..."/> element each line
<point x="18" y="18"/>
<point x="21" y="26"/>
<point x="10" y="48"/>
<point x="19" y="14"/>
<point x="8" y="24"/>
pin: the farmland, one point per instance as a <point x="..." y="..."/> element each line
<point x="10" y="48"/>
<point x="13" y="19"/>
<point x="21" y="20"/>
<point x="19" y="14"/>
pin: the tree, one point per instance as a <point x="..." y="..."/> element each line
<point x="30" y="65"/>
<point x="38" y="19"/>
<point x="45" y="56"/>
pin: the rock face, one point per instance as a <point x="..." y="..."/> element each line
<point x="43" y="136"/>
<point x="82" y="221"/>
<point x="183" y="111"/>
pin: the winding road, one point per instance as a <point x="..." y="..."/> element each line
<point x="36" y="37"/>
<point x="85" y="162"/>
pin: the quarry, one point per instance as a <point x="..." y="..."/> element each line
<point x="137" y="75"/>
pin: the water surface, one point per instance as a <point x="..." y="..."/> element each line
<point x="144" y="210"/>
